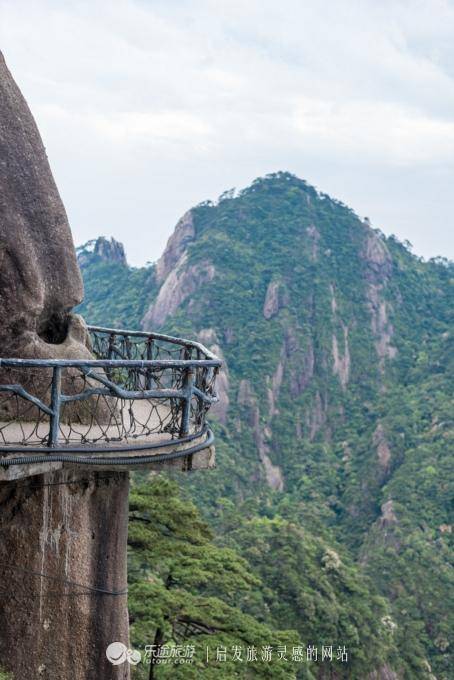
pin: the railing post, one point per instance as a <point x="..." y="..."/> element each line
<point x="186" y="411"/>
<point x="111" y="346"/>
<point x="55" y="403"/>
<point x="128" y="346"/>
<point x="110" y="352"/>
<point x="148" y="379"/>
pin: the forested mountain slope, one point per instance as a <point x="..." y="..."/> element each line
<point x="335" y="428"/>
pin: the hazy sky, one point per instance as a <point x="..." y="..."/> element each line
<point x="148" y="107"/>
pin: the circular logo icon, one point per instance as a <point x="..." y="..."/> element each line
<point x="117" y="653"/>
<point x="134" y="656"/>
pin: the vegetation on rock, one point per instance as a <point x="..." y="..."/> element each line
<point x="334" y="483"/>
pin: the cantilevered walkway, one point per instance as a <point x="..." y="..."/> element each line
<point x="141" y="403"/>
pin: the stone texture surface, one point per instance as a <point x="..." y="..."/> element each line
<point x="277" y="297"/>
<point x="381" y="443"/>
<point x="378" y="261"/>
<point x="48" y="628"/>
<point x="40" y="281"/>
<point x="178" y="279"/>
<point x="56" y="538"/>
<point x="246" y="397"/>
<point x="75" y="532"/>
<point x="110" y="250"/>
<point x="209" y="338"/>
<point x="183" y="234"/>
<point x="179" y="285"/>
<point x="271" y="304"/>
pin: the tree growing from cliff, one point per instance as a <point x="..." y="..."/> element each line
<point x="185" y="588"/>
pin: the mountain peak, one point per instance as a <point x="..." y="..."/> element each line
<point x="334" y="407"/>
<point x="281" y="178"/>
<point x="103" y="249"/>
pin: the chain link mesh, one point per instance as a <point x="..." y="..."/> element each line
<point x="103" y="404"/>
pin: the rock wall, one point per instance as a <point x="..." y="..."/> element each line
<point x="183" y="234"/>
<point x="40" y="280"/>
<point x="110" y="250"/>
<point x="58" y="541"/>
<point x="180" y="284"/>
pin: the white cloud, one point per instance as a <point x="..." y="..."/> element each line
<point x="149" y="107"/>
<point x="377" y="131"/>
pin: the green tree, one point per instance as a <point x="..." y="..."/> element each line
<point x="184" y="588"/>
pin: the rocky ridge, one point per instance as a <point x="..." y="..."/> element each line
<point x="336" y="343"/>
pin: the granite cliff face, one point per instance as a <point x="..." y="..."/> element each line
<point x="191" y="273"/>
<point x="178" y="242"/>
<point x="62" y="534"/>
<point x="63" y="555"/>
<point x="181" y="285"/>
<point x="102" y="250"/>
<point x="40" y="282"/>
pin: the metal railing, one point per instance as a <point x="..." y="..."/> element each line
<point x="142" y="391"/>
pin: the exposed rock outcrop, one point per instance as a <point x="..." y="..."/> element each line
<point x="300" y="361"/>
<point x="271" y="304"/>
<point x="273" y="473"/>
<point x="378" y="271"/>
<point x="274" y="386"/>
<point x="40" y="280"/>
<point x="383" y="673"/>
<point x="101" y="249"/>
<point x="300" y="365"/>
<point x="333" y="300"/>
<point x="179" y="285"/>
<point x="388" y="515"/>
<point x="209" y="338"/>
<point x="60" y="543"/>
<point x="377" y="256"/>
<point x="179" y="280"/>
<point x="62" y="546"/>
<point x="316" y="416"/>
<point x="382" y="328"/>
<point x="110" y="250"/>
<point x="183" y="234"/>
<point x="383" y="450"/>
<point x="277" y="297"/>
<point x="341" y="362"/>
<point x="245" y="395"/>
<point x="314" y="238"/>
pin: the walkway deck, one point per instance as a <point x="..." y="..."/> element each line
<point x="142" y="409"/>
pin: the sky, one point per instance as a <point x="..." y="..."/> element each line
<point x="148" y="107"/>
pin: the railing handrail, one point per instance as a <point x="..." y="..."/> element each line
<point x="111" y="363"/>
<point x="192" y="380"/>
<point x="157" y="336"/>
